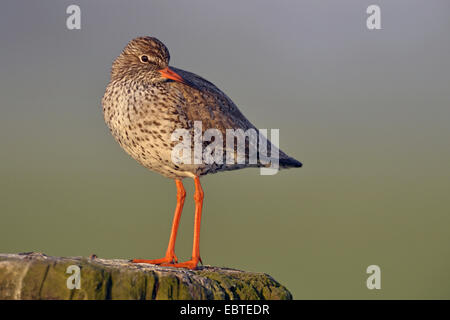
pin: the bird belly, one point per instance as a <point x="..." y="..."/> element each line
<point x="145" y="134"/>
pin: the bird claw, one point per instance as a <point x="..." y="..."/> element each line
<point x="190" y="264"/>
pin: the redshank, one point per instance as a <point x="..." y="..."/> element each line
<point x="146" y="101"/>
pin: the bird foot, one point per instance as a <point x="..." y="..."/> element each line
<point x="191" y="264"/>
<point x="171" y="258"/>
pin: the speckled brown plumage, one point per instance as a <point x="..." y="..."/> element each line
<point x="142" y="109"/>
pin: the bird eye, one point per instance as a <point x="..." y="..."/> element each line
<point x="144" y="58"/>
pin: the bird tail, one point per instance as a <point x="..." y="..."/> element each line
<point x="289" y="162"/>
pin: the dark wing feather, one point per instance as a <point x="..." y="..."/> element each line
<point x="206" y="103"/>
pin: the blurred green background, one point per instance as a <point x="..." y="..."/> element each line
<point x="367" y="112"/>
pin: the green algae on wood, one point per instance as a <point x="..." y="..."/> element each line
<point x="37" y="276"/>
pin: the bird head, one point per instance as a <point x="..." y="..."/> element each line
<point x="145" y="58"/>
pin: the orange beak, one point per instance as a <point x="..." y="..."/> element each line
<point x="170" y="74"/>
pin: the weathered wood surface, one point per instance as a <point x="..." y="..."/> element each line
<point x="37" y="276"/>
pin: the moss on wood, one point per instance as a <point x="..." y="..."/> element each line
<point x="37" y="276"/>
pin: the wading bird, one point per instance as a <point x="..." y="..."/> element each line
<point x="146" y="101"/>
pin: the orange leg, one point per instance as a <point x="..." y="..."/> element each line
<point x="170" y="253"/>
<point x="198" y="197"/>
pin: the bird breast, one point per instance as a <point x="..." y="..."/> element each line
<point x="142" y="119"/>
